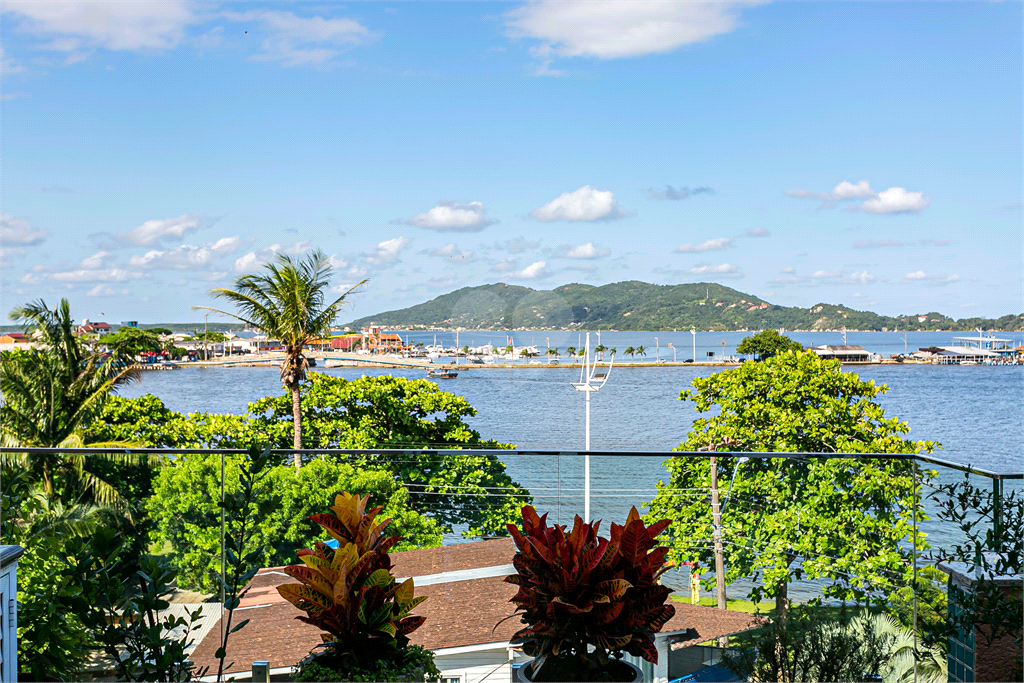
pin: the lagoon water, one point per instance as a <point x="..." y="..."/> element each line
<point x="975" y="412"/>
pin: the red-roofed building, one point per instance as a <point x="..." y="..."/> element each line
<point x="87" y="327"/>
<point x="468" y="600"/>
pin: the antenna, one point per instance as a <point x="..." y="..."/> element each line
<point x="593" y="376"/>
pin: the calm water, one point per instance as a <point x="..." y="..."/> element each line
<point x="975" y="412"/>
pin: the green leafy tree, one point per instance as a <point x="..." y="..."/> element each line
<point x="185" y="509"/>
<point x="131" y="341"/>
<point x="767" y="343"/>
<point x="809" y="647"/>
<point x="552" y="352"/>
<point x="53" y="643"/>
<point x="600" y="348"/>
<point x="641" y="351"/>
<point x="571" y="351"/>
<point x="287" y="302"/>
<point x="842" y="520"/>
<point x="394" y="412"/>
<point x="50" y="396"/>
<point x="630" y="351"/>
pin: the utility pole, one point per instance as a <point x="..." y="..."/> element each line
<point x="657" y="350"/>
<point x="206" y="337"/>
<point x="716" y="517"/>
<point x="693" y="331"/>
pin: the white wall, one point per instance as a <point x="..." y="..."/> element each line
<point x="475" y="663"/>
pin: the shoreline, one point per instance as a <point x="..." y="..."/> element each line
<point x="346" y="363"/>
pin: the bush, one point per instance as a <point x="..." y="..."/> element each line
<point x="586" y="599"/>
<point x="350" y="594"/>
<point x="185" y="509"/>
<point x="414" y="664"/>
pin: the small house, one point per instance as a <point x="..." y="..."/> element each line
<point x="466" y="628"/>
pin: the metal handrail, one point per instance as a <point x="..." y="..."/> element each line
<point x="534" y="452"/>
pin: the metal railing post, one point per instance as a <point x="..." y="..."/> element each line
<point x="997" y="514"/>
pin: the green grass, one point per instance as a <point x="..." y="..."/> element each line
<point x="734" y="604"/>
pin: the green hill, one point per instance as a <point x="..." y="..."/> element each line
<point x="641" y="306"/>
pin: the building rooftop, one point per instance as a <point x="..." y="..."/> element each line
<point x="467" y="601"/>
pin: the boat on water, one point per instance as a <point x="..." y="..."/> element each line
<point x="442" y="373"/>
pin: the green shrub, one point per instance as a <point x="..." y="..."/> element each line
<point x="415" y="664"/>
<point x="185" y="511"/>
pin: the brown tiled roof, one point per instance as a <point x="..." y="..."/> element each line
<point x="458" y="613"/>
<point x="701" y="623"/>
<point x="452" y="558"/>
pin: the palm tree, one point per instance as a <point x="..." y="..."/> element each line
<point x="571" y="351"/>
<point x="640" y="351"/>
<point x="552" y="352"/>
<point x="286" y="302"/>
<point x="629" y="352"/>
<point x="51" y="394"/>
<point x="600" y="348"/>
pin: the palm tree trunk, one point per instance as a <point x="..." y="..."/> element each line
<point x="297" y="421"/>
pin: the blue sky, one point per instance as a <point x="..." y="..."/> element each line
<point x="867" y="154"/>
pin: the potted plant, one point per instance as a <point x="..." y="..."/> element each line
<point x="588" y="600"/>
<point x="350" y="594"/>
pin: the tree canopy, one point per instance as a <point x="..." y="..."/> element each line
<point x="471" y="493"/>
<point x="767" y="343"/>
<point x="839" y="519"/>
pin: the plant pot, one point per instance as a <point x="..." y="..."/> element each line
<point x="632" y="673"/>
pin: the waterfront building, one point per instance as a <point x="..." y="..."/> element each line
<point x="979" y="349"/>
<point x="845" y="353"/>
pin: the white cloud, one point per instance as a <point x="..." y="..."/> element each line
<point x="98" y="268"/>
<point x="789" y="269"/>
<point x="453" y="217"/>
<point x="863" y="277"/>
<point x="189" y="256"/>
<point x="823" y="274"/>
<point x="585" y="204"/>
<point x="506" y="265"/>
<point x="296" y="41"/>
<point x="257" y="259"/>
<point x="445" y="281"/>
<point x="582" y="251"/>
<point x="534" y="271"/>
<point x="893" y="200"/>
<point x="677" y="194"/>
<point x="516" y="245"/>
<point x="714" y="244"/>
<point x="758" y="232"/>
<point x="609" y="29"/>
<point x="896" y="200"/>
<point x="157" y="230"/>
<point x="96" y="260"/>
<point x="16" y="230"/>
<point x="451" y="252"/>
<point x="387" y="251"/>
<point x="723" y="270"/>
<point x="74" y="25"/>
<point x="337" y="262"/>
<point x="841" y="192"/>
<point x="921" y="276"/>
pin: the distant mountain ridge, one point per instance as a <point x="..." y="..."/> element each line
<point x="635" y="305"/>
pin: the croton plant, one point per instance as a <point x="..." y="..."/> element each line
<point x="349" y="592"/>
<point x="578" y="589"/>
